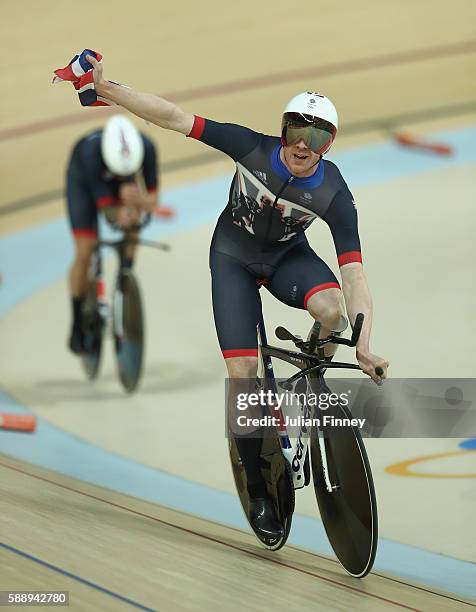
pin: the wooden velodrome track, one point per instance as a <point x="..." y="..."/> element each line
<point x="166" y="561"/>
<point x="387" y="66"/>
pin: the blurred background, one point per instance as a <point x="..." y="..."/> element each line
<point x="392" y="70"/>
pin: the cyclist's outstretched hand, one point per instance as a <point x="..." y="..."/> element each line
<point x="97" y="71"/>
<point x="368" y="363"/>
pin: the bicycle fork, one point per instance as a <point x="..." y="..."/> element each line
<point x="294" y="455"/>
<point x="101" y="298"/>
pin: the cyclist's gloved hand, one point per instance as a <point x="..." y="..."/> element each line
<point x="129" y="194"/>
<point x="127" y="216"/>
<point x="369" y="362"/>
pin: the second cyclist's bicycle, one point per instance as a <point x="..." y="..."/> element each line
<point x="125" y="315"/>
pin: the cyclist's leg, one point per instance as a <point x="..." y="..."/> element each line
<point x="237" y="309"/>
<point x="303" y="280"/>
<point x="84" y="246"/>
<point x="83" y="220"/>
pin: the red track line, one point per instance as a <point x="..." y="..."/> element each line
<point x="215" y="540"/>
<point x="83" y="116"/>
<point x="331" y="69"/>
<point x="260" y="82"/>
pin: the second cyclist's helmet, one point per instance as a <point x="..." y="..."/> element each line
<point x="122" y="147"/>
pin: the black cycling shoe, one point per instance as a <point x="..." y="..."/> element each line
<point x="263" y="519"/>
<point x="76" y="341"/>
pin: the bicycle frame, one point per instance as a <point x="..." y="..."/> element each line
<point x="310" y="365"/>
<point x="96" y="274"/>
<point x="120" y="247"/>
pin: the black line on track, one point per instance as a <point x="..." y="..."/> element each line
<point x="64" y="572"/>
<point x="386" y="124"/>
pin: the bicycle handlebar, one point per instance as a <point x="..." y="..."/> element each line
<point x="316" y="342"/>
<point x="359" y="321"/>
<point x="314" y="339"/>
<point x="161" y="246"/>
<point x="283" y="334"/>
<point x="132" y="228"/>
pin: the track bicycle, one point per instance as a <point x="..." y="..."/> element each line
<point x="341" y="473"/>
<point x="125" y="315"/>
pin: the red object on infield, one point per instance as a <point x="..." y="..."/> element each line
<point x="418" y="143"/>
<point x="164" y="211"/>
<point x="18" y="422"/>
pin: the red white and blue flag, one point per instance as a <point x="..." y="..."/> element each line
<point x="80" y="73"/>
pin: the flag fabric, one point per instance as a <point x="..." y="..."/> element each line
<point x="80" y="73"/>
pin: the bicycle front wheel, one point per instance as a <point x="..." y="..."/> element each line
<point x="349" y="510"/>
<point x="128" y="326"/>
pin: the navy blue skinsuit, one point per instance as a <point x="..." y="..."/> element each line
<point x="259" y="238"/>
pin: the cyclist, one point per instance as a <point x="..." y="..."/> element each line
<point x="113" y="170"/>
<point x="280" y="186"/>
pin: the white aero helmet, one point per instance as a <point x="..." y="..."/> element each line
<point x="122" y="147"/>
<point x="312" y="117"/>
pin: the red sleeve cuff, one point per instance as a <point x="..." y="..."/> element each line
<point x="108" y="200"/>
<point x="87" y="233"/>
<point x="349" y="257"/>
<point x="198" y="127"/>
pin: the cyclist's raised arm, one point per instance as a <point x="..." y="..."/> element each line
<point x="233" y="140"/>
<point x="152" y="108"/>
